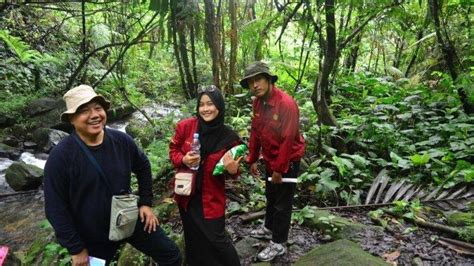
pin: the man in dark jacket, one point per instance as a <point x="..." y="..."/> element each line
<point x="275" y="134"/>
<point x="78" y="197"/>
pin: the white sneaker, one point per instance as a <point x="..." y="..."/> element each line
<point x="261" y="232"/>
<point x="271" y="251"/>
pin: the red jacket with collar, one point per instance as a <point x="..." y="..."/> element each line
<point x="275" y="131"/>
<point x="212" y="187"/>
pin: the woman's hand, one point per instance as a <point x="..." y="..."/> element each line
<point x="81" y="258"/>
<point x="231" y="165"/>
<point x="148" y="218"/>
<point x="191" y="159"/>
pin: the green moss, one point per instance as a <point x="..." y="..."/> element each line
<point x="341" y="252"/>
<point x="130" y="256"/>
<point x="460" y="218"/>
<point x="141" y="131"/>
<point x="33" y="252"/>
<point x="467" y="233"/>
<point x="335" y="226"/>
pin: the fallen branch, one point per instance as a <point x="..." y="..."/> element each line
<point x="421" y="222"/>
<point x="458" y="246"/>
<point x="439" y="227"/>
<point x="247" y="217"/>
<point x="18" y="193"/>
<point x="459" y="243"/>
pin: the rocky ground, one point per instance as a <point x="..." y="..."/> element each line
<point x="406" y="244"/>
<point x="397" y="246"/>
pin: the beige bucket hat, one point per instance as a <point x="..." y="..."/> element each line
<point x="78" y="96"/>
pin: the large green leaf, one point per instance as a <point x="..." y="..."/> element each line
<point x="420" y="159"/>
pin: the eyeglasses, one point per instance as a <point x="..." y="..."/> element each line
<point x="209" y="88"/>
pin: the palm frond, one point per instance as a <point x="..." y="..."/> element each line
<point x="447" y="199"/>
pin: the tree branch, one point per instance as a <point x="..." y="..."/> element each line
<point x="349" y="38"/>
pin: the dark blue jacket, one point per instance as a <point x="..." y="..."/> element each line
<point x="77" y="201"/>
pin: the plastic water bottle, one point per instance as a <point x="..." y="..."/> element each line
<point x="195" y="148"/>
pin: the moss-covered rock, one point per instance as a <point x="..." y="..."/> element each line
<point x="21" y="176"/>
<point x="119" y="112"/>
<point x="141" y="131"/>
<point x="341" y="252"/>
<point x="130" y="256"/>
<point x="165" y="208"/>
<point x="246" y="247"/>
<point x="338" y="227"/>
<point x="460" y="218"/>
<point x="45" y="112"/>
<point x="9" y="152"/>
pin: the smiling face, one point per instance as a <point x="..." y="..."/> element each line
<point x="89" y="121"/>
<point x="207" y="109"/>
<point x="260" y="85"/>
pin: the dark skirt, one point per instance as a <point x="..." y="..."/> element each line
<point x="206" y="241"/>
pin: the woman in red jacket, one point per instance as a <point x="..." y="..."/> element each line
<point x="202" y="213"/>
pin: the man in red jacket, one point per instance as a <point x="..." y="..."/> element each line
<point x="275" y="134"/>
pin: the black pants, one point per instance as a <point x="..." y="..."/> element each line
<point x="206" y="241"/>
<point x="279" y="204"/>
<point x="155" y="244"/>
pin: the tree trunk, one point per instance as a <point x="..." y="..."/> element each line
<point x="419" y="35"/>
<point x="384" y="60"/>
<point x="400" y="45"/>
<point x="174" y="28"/>
<point x="446" y="48"/>
<point x="221" y="38"/>
<point x="351" y="58"/>
<point x="377" y="60"/>
<point x="449" y="53"/>
<point x="84" y="40"/>
<point x="233" y="43"/>
<point x="370" y="56"/>
<point x="185" y="60"/>
<point x="193" y="56"/>
<point x="318" y="96"/>
<point x="212" y="39"/>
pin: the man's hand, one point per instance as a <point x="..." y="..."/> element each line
<point x="191" y="159"/>
<point x="276" y="178"/>
<point x="231" y="165"/>
<point x="254" y="170"/>
<point x="81" y="258"/>
<point x="148" y="218"/>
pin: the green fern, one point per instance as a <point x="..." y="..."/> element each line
<point x="20" y="48"/>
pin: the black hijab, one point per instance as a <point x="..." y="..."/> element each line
<point x="214" y="135"/>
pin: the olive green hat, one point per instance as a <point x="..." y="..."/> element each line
<point x="255" y="69"/>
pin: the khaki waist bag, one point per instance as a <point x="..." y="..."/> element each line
<point x="123" y="216"/>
